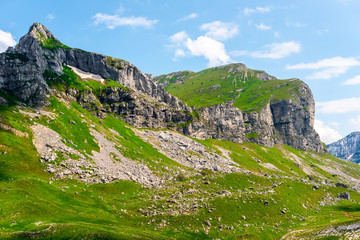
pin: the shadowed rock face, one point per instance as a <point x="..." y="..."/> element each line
<point x="148" y="104"/>
<point x="347" y="148"/>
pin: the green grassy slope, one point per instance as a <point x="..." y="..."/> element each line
<point x="238" y="206"/>
<point x="233" y="83"/>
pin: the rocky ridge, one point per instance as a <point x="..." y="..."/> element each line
<point x="144" y="103"/>
<point x="347" y="148"/>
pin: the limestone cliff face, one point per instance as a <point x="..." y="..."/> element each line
<point x="145" y="103"/>
<point x="284" y="122"/>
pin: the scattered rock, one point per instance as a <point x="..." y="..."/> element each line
<point x="344" y="195"/>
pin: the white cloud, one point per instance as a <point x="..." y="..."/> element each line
<point x="327" y="134"/>
<point x="353" y="81"/>
<point x="179" y="38"/>
<point x="333" y="67"/>
<point x="294" y="24"/>
<point x="345" y="105"/>
<point x="262" y="26"/>
<point x="179" y="53"/>
<point x="276" y="34"/>
<point x="188" y="17"/>
<point x="6" y="40"/>
<point x="249" y="11"/>
<point x="51" y="16"/>
<point x="219" y="30"/>
<point x="113" y="21"/>
<point x="356" y="121"/>
<point x="210" y="49"/>
<point x="273" y="51"/>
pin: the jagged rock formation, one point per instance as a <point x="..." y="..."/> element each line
<point x="347" y="148"/>
<point x="24" y="71"/>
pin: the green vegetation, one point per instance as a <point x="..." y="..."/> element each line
<point x="224" y="84"/>
<point x="277" y="198"/>
<point x="115" y="62"/>
<point x="51" y="44"/>
<point x="252" y="135"/>
<point x="70" y="79"/>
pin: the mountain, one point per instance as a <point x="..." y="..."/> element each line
<point x="91" y="148"/>
<point x="347" y="148"/>
<point x="240" y="104"/>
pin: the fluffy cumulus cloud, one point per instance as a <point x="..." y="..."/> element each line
<point x="6" y="40"/>
<point x="328" y="67"/>
<point x="262" y="27"/>
<point x="220" y="30"/>
<point x="345" y="105"/>
<point x="249" y="11"/>
<point x="353" y="81"/>
<point x="113" y="21"/>
<point x="210" y="49"/>
<point x="327" y="134"/>
<point x="204" y="46"/>
<point x="189" y="17"/>
<point x="273" y="51"/>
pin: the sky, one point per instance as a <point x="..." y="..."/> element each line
<point x="317" y="41"/>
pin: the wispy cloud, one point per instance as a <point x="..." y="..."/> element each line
<point x="273" y="51"/>
<point x="113" y="21"/>
<point x="345" y="105"/>
<point x="220" y="30"/>
<point x="6" y="40"/>
<point x="356" y="122"/>
<point x="249" y="11"/>
<point x="294" y="24"/>
<point x="332" y="67"/>
<point x="50" y="16"/>
<point x="262" y="27"/>
<point x="188" y="17"/>
<point x="327" y="134"/>
<point x="353" y="81"/>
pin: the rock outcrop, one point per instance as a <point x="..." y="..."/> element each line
<point x="347" y="148"/>
<point x="144" y="102"/>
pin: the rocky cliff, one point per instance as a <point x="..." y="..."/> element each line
<point x="347" y="148"/>
<point x="40" y="66"/>
<point x="246" y="105"/>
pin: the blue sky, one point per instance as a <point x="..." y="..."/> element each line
<point x="314" y="40"/>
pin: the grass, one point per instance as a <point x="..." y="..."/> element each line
<point x="34" y="206"/>
<point x="115" y="63"/>
<point x="220" y="85"/>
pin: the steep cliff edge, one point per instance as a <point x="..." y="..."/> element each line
<point x="241" y="105"/>
<point x="229" y="102"/>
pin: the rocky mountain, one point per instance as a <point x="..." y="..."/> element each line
<point x="39" y="62"/>
<point x="91" y="148"/>
<point x="347" y="148"/>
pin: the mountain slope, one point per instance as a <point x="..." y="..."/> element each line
<point x="347" y="148"/>
<point x="285" y="113"/>
<point x="248" y="105"/>
<point x="72" y="167"/>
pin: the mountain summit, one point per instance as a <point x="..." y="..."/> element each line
<point x="228" y="102"/>
<point x="92" y="148"/>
